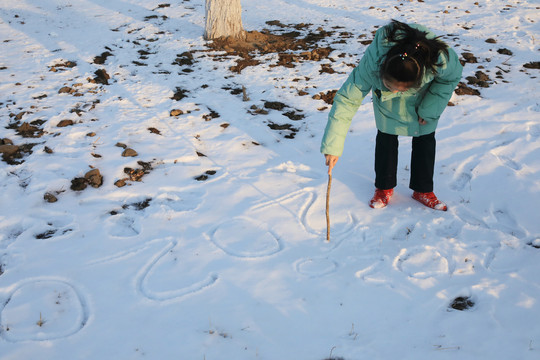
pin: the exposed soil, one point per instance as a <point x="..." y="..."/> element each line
<point x="206" y="175"/>
<point x="532" y="65"/>
<point x="462" y="303"/>
<point x="291" y="47"/>
<point x="92" y="178"/>
<point x="463" y="89"/>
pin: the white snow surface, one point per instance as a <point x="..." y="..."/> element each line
<point x="238" y="266"/>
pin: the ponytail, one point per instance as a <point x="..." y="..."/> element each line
<point x="411" y="55"/>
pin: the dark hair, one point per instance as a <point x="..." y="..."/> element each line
<point x="411" y="55"/>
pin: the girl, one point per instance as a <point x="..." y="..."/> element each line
<point x="412" y="75"/>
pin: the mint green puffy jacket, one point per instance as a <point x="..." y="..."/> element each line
<point x="395" y="113"/>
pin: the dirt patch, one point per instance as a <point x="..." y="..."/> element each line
<point x="12" y="154"/>
<point x="63" y="66"/>
<point x="206" y="175"/>
<point x="184" y="59"/>
<point x="100" y="59"/>
<point x="135" y="174"/>
<point x="463" y="89"/>
<point x="102" y="77"/>
<point x="288" y="130"/>
<point x="212" y="115"/>
<point x="532" y="65"/>
<point x="291" y="46"/>
<point x="179" y="94"/>
<point x="327" y="97"/>
<point x="30" y="130"/>
<point x="141" y="205"/>
<point x="505" y="51"/>
<point x="480" y="79"/>
<point x="274" y="105"/>
<point x="468" y="58"/>
<point x="462" y="303"/>
<point x="92" y="178"/>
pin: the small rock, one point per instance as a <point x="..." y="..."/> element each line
<point x="482" y="76"/>
<point x="129" y="153"/>
<point x="120" y="183"/>
<point x="176" y="112"/>
<point x="65" y="90"/>
<point x="505" y="52"/>
<point x="50" y="198"/>
<point x="64" y="123"/>
<point x="469" y="58"/>
<point x="78" y="184"/>
<point x="8" y="150"/>
<point x="94" y="178"/>
<point x="122" y="145"/>
<point x="134" y="174"/>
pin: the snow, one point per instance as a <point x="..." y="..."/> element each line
<point x="237" y="266"/>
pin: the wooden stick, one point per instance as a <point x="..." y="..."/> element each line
<point x="328" y="207"/>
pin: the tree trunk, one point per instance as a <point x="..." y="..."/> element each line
<point x="223" y="19"/>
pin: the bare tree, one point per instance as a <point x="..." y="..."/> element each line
<point x="223" y="19"/>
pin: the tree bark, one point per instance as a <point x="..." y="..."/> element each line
<point x="223" y="19"/>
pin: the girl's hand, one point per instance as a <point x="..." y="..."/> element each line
<point x="331" y="161"/>
<point x="421" y="121"/>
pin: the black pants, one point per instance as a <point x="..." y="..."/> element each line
<point x="422" y="162"/>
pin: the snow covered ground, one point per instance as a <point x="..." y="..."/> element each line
<point x="219" y="251"/>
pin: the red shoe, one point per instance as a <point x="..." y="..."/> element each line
<point x="430" y="200"/>
<point x="381" y="197"/>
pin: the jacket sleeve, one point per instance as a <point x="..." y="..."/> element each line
<point x="441" y="88"/>
<point x="349" y="98"/>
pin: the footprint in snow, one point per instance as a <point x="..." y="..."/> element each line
<point x="9" y="234"/>
<point x="505" y="222"/>
<point x="534" y="129"/>
<point x="460" y="181"/>
<point x="401" y="232"/>
<point x="180" y="201"/>
<point x="122" y="226"/>
<point x="450" y="231"/>
<point x="508" y="162"/>
<point x="464" y="175"/>
<point x="54" y="225"/>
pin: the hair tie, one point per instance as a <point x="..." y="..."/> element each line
<point x="403" y="56"/>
